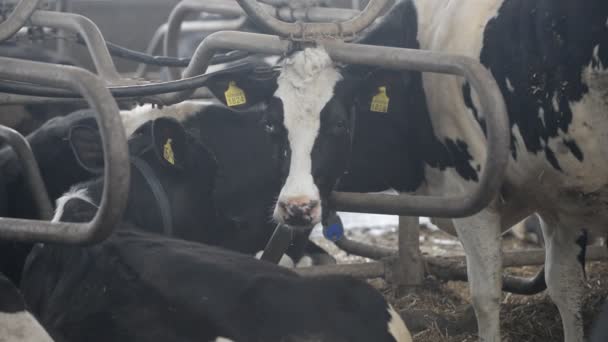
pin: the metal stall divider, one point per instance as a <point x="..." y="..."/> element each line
<point x="114" y="142"/>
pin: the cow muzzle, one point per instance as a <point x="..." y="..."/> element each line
<point x="298" y="211"/>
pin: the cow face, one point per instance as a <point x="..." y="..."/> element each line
<point x="307" y="112"/>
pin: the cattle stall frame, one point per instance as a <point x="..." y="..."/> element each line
<point x="408" y="206"/>
<point x="114" y="143"/>
<point x="232" y="8"/>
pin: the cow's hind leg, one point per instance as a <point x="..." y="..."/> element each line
<point x="481" y="238"/>
<point x="565" y="275"/>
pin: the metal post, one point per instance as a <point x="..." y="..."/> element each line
<point x="116" y="159"/>
<point x="15" y="21"/>
<point x="410" y="270"/>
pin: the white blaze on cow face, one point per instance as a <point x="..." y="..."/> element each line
<point x="397" y="328"/>
<point x="305" y="86"/>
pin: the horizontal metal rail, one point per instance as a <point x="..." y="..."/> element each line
<point x="116" y="169"/>
<point x="15" y="21"/>
<point x="345" y="29"/>
<point x="89" y="32"/>
<point x="31" y="170"/>
<point x="491" y="101"/>
<point x="445" y="267"/>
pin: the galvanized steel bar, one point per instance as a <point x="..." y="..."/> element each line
<point x="90" y="33"/>
<point x="278" y="244"/>
<point x="492" y="107"/>
<point x="116" y="172"/>
<point x="30" y="169"/>
<point x="15" y="21"/>
<point x="344" y="29"/>
<point x="375" y="269"/>
<point x="186" y="26"/>
<point x="363" y="249"/>
<point x="179" y="13"/>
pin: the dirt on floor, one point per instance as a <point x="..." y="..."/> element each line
<point x="440" y="311"/>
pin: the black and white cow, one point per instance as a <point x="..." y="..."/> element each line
<point x="141" y="286"/>
<point x="59" y="169"/>
<point x="137" y="286"/>
<point x="549" y="60"/>
<point x="16" y="322"/>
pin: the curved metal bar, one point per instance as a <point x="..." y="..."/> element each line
<point x="90" y="33"/>
<point x="187" y="26"/>
<point x="116" y="180"/>
<point x="363" y="249"/>
<point x="492" y="106"/>
<point x="491" y="101"/>
<point x="15" y="21"/>
<point x="347" y="28"/>
<point x="30" y="167"/>
<point x="177" y="16"/>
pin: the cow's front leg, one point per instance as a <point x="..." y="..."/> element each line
<point x="481" y="239"/>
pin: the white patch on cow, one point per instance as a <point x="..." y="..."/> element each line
<point x="74" y="192"/>
<point x="596" y="59"/>
<point x="21" y="326"/>
<point x="305" y="261"/>
<point x="555" y="102"/>
<point x="305" y="86"/>
<point x="397" y="328"/>
<point x="223" y="339"/>
<point x="132" y="119"/>
<point x="457" y="27"/>
<point x="509" y="85"/>
<point x="285" y="261"/>
<point x="541" y="115"/>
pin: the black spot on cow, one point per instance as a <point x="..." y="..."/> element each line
<point x="468" y="101"/>
<point x="542" y="48"/>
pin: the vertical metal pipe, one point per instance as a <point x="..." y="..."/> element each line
<point x="410" y="261"/>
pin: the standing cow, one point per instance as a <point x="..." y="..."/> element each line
<point x="548" y="57"/>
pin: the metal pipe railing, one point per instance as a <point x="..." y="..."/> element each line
<point x="15" y="21"/>
<point x="30" y="169"/>
<point x="183" y="8"/>
<point x="116" y="169"/>
<point x="89" y="32"/>
<point x="491" y="102"/>
<point x="345" y="29"/>
<point x="186" y="26"/>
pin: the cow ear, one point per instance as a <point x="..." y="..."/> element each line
<point x="169" y="138"/>
<point x="241" y="90"/>
<point x="85" y="142"/>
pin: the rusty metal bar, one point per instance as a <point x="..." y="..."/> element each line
<point x="31" y="170"/>
<point x="90" y="33"/>
<point x="15" y="21"/>
<point x="492" y="107"/>
<point x="344" y="29"/>
<point x="116" y="169"/>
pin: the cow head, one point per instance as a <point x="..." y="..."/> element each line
<point x="308" y="113"/>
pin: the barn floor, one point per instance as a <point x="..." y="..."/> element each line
<point x="440" y="311"/>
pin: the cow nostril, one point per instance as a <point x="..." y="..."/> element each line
<point x="283" y="205"/>
<point x="313" y="204"/>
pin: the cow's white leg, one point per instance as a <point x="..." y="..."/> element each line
<point x="565" y="276"/>
<point x="481" y="238"/>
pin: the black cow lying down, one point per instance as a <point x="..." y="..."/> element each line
<point x="16" y="322"/>
<point x="144" y="287"/>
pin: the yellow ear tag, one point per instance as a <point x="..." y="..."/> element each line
<point x="168" y="152"/>
<point x="380" y="101"/>
<point x="234" y="95"/>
